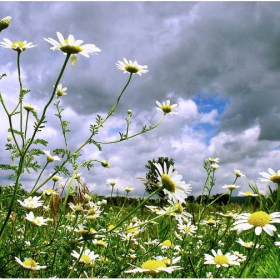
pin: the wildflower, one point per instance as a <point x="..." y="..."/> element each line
<point x="174" y="188"/>
<point x="49" y="192"/>
<point x="166" y="108"/>
<point x="102" y="202"/>
<point x="238" y="173"/>
<point x="100" y="243"/>
<point x="50" y="158"/>
<point x="248" y="245"/>
<point x="18" y="46"/>
<point x="87" y="257"/>
<point x="36" y="221"/>
<point x="72" y="46"/>
<point x="240" y="257"/>
<point x="247" y="193"/>
<point x="5" y="22"/>
<point x="210" y="222"/>
<point x="187" y="229"/>
<point x="76" y="207"/>
<point x="61" y="91"/>
<point x="272" y="176"/>
<point x="230" y="187"/>
<point x="127" y="189"/>
<point x="228" y="214"/>
<point x="31" y="203"/>
<point x="259" y="220"/>
<point x="29" y="107"/>
<point x="213" y="160"/>
<point x="112" y="182"/>
<point x="166" y="244"/>
<point x="153" y="267"/>
<point x="168" y="261"/>
<point x="132" y="67"/>
<point x="56" y="178"/>
<point x="30" y="264"/>
<point x="215" y="166"/>
<point x="219" y="259"/>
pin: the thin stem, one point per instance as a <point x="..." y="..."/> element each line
<point x="40" y="176"/>
<point x="26" y="123"/>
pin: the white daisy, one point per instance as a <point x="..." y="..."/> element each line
<point x="50" y="158"/>
<point x="219" y="259"/>
<point x="272" y="176"/>
<point x="187" y="229"/>
<point x="36" y="221"/>
<point x="31" y="203"/>
<point x="112" y="182"/>
<point x="128" y="66"/>
<point x="29" y="107"/>
<point x="60" y="90"/>
<point x="18" y="46"/>
<point x="72" y="46"/>
<point x="85" y="256"/>
<point x="259" y="220"/>
<point x="238" y="173"/>
<point x="247" y="193"/>
<point x="153" y="267"/>
<point x="30" y="264"/>
<point x="166" y="108"/>
<point x="174" y="188"/>
<point x="213" y="160"/>
<point x="230" y="187"/>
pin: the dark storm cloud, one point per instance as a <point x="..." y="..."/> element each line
<point x="220" y="49"/>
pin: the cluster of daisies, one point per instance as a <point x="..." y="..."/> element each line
<point x="71" y="47"/>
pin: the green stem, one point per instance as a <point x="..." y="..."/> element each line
<point x="135" y="209"/>
<point x="26" y="123"/>
<point x="39" y="176"/>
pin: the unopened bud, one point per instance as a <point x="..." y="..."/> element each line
<point x="4" y="23"/>
<point x="9" y="138"/>
<point x="105" y="164"/>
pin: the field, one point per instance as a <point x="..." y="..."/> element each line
<point x="50" y="228"/>
<point x="121" y="238"/>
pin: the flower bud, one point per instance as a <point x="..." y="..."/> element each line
<point x="105" y="164"/>
<point x="9" y="138"/>
<point x="4" y="23"/>
<point x="129" y="112"/>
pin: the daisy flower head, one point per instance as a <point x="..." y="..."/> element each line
<point x="259" y="220"/>
<point x="31" y="203"/>
<point x="88" y="257"/>
<point x="187" y="229"/>
<point x="170" y="180"/>
<point x="127" y="189"/>
<point x="29" y="107"/>
<point x="50" y="158"/>
<point x="18" y="46"/>
<point x="112" y="182"/>
<point x="247" y="193"/>
<point x="230" y="187"/>
<point x="238" y="173"/>
<point x="220" y="260"/>
<point x="60" y="90"/>
<point x="30" y="264"/>
<point x="213" y="160"/>
<point x="272" y="176"/>
<point x="72" y="46"/>
<point x="166" y="108"/>
<point x="36" y="221"/>
<point x="248" y="245"/>
<point x="128" y="66"/>
<point x="153" y="267"/>
<point x="215" y="166"/>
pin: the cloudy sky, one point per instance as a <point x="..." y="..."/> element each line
<point x="220" y="61"/>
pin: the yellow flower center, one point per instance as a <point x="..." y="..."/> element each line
<point x="153" y="265"/>
<point x="231" y="187"/>
<point x="18" y="46"/>
<point x="132" y="69"/>
<point x="248" y="193"/>
<point x="85" y="259"/>
<point x="29" y="107"/>
<point x="30" y="263"/>
<point x="178" y="208"/>
<point x="221" y="259"/>
<point x="71" y="49"/>
<point x="60" y="92"/>
<point x="259" y="219"/>
<point x="210" y="222"/>
<point x="186" y="229"/>
<point x="166" y="109"/>
<point x="167" y="243"/>
<point x="167" y="183"/>
<point x="275" y="178"/>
